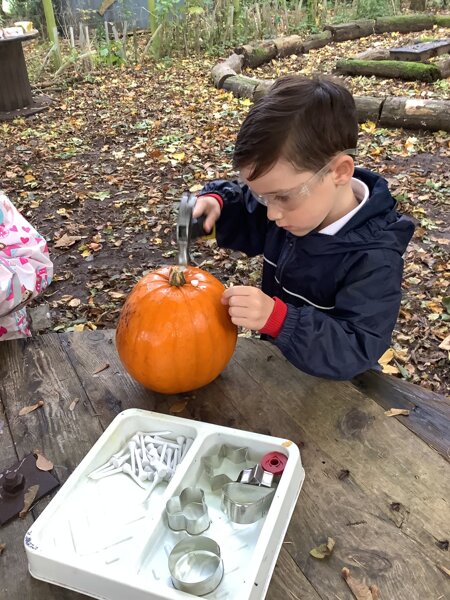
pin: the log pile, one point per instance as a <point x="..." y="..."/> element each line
<point x="386" y="111"/>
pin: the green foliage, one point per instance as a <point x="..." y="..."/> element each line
<point x="369" y="9"/>
<point x="28" y="10"/>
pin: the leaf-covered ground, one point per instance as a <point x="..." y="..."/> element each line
<point x="99" y="174"/>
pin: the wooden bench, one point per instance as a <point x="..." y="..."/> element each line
<point x="380" y="486"/>
<point x="420" y="52"/>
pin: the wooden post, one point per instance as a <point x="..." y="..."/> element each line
<point x="52" y="29"/>
<point x="153" y="23"/>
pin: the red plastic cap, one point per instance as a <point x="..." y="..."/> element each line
<point x="274" y="462"/>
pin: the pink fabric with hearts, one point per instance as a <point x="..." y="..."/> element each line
<point x="25" y="269"/>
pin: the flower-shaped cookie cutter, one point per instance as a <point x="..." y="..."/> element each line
<point x="188" y="511"/>
<point x="213" y="464"/>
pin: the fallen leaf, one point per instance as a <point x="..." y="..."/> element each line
<point x="178" y="407"/>
<point x="117" y="295"/>
<point x="394" y="412"/>
<point x="67" y="240"/>
<point x="100" y="369"/>
<point x="28" y="500"/>
<point x="324" y="550"/>
<point x="42" y="462"/>
<point x="74" y="302"/>
<point x="73" y="404"/>
<point x="445" y="345"/>
<point x="27" y="409"/>
<point x="2" y="548"/>
<point x="385" y="360"/>
<point x="359" y="589"/>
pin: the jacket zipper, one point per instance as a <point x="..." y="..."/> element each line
<point x="284" y="257"/>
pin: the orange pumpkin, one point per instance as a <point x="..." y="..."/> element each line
<point x="174" y="335"/>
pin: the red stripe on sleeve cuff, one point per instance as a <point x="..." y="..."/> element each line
<point x="276" y="320"/>
<point x="216" y="196"/>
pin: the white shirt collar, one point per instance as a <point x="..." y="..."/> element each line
<point x="361" y="192"/>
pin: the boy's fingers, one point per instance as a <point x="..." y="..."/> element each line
<point x="209" y="223"/>
<point x="240" y="301"/>
<point x="237" y="290"/>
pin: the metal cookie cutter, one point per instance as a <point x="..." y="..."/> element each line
<point x="246" y="504"/>
<point x="195" y="565"/>
<point x="256" y="476"/>
<point x="188" y="511"/>
<point x="213" y="464"/>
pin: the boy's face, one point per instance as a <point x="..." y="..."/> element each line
<point x="300" y="209"/>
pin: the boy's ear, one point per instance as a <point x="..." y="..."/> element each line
<point x="343" y="170"/>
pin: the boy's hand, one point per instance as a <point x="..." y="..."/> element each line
<point x="207" y="205"/>
<point x="248" y="306"/>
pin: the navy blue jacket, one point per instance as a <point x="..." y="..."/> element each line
<point x="342" y="291"/>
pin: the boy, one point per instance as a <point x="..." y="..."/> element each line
<point x="331" y="239"/>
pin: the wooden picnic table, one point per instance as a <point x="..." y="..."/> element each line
<point x="378" y="485"/>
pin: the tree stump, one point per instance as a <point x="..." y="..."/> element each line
<point x="390" y="69"/>
<point x="414" y="113"/>
<point x="15" y="91"/>
<point x="352" y="30"/>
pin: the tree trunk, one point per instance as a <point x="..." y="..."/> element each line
<point x="389" y="69"/>
<point x="254" y="56"/>
<point x="291" y="44"/>
<point x="404" y="24"/>
<point x="413" y="113"/>
<point x="241" y="86"/>
<point x="351" y="31"/>
<point x="373" y="54"/>
<point x="368" y="108"/>
<point x="228" y="68"/>
<point x="317" y="40"/>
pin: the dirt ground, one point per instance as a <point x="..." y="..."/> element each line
<point x="100" y="173"/>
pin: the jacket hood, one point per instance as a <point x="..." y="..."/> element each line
<point x="376" y="225"/>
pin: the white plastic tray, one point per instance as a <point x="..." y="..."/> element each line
<point x="98" y="538"/>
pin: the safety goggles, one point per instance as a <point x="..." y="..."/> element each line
<point x="290" y="199"/>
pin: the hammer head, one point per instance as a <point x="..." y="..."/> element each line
<point x="187" y="227"/>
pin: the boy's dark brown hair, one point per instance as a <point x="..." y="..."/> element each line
<point x="303" y="120"/>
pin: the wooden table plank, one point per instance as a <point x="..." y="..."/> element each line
<point x="430" y="413"/>
<point x="260" y="391"/>
<point x="24" y="378"/>
<point x="315" y="410"/>
<point x="291" y="582"/>
<point x="396" y="468"/>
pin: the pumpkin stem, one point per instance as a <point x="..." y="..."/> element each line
<point x="176" y="277"/>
